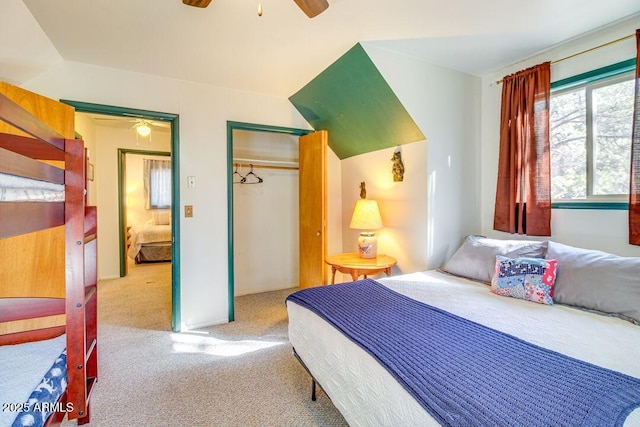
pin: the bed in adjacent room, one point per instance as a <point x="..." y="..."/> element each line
<point x="152" y="241"/>
<point x="477" y="356"/>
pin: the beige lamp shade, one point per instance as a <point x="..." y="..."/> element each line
<point x="366" y="215"/>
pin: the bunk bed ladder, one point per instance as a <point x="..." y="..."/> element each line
<point x="81" y="283"/>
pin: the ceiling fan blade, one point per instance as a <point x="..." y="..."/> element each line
<point x="197" y="3"/>
<point x="312" y="8"/>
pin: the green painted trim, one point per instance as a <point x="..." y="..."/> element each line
<point x="615" y="206"/>
<point x="594" y="75"/>
<point x="252" y="127"/>
<point x="230" y="256"/>
<point x="231" y="126"/>
<point x="86" y="107"/>
<point x="176" y="313"/>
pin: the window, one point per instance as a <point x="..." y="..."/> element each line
<point x="591" y="117"/>
<point x="157" y="183"/>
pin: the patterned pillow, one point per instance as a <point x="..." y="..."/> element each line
<point x="530" y="279"/>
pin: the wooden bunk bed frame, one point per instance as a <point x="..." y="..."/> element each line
<point x="48" y="250"/>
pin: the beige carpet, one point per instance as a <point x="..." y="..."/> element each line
<point x="237" y="374"/>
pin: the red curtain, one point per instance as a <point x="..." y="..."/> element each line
<point x="523" y="195"/>
<point x="634" y="187"/>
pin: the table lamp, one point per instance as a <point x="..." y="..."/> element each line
<point x="366" y="216"/>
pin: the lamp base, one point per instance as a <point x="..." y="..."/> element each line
<point x="368" y="245"/>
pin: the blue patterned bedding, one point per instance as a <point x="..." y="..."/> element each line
<point x="30" y="384"/>
<point x="43" y="401"/>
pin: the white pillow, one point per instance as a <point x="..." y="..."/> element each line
<point x="476" y="258"/>
<point x="597" y="280"/>
<point x="161" y="217"/>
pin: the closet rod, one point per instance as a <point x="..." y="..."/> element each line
<point x="267" y="164"/>
<point x="588" y="50"/>
<point x="274" y="167"/>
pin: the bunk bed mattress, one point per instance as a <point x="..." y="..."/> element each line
<point x="19" y="189"/>
<point x="31" y="372"/>
<point x="367" y="394"/>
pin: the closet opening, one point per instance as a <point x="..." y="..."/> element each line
<point x="263" y="183"/>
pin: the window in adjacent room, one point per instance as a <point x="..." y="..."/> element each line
<point x="157" y="183"/>
<point x="591" y="118"/>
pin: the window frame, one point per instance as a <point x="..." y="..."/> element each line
<point x="606" y="75"/>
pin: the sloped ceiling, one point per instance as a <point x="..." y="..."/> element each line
<point x="352" y="101"/>
<point x="229" y="45"/>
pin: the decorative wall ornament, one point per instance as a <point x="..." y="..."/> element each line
<point x="398" y="166"/>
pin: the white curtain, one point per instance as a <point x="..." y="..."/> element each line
<point x="157" y="183"/>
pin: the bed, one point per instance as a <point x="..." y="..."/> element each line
<point x="152" y="241"/>
<point x="48" y="280"/>
<point x="368" y="390"/>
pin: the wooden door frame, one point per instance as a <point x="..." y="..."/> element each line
<point x="251" y="127"/>
<point x="174" y="120"/>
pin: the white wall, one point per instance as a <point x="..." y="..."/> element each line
<point x="403" y="205"/>
<point x="204" y="111"/>
<point x="86" y="128"/>
<point x="427" y="215"/>
<point x="595" y="229"/>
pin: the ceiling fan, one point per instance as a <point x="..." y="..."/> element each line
<point x="142" y="126"/>
<point x="311" y="8"/>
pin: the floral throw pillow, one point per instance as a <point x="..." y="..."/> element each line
<point x="529" y="279"/>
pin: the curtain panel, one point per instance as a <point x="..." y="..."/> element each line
<point x="634" y="187"/>
<point x="157" y="183"/>
<point x="523" y="193"/>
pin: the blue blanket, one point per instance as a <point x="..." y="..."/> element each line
<point x="44" y="400"/>
<point x="466" y="374"/>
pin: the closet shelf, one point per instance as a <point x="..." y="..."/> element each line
<point x="277" y="164"/>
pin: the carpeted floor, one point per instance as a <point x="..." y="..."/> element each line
<point x="237" y="374"/>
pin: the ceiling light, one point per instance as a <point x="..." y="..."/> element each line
<point x="143" y="129"/>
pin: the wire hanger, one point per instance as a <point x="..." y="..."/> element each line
<point x="250" y="176"/>
<point x="239" y="178"/>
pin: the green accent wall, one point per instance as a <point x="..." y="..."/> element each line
<point x="352" y="101"/>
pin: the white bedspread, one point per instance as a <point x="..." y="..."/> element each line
<point x="149" y="233"/>
<point x="366" y="394"/>
<point x="22" y="367"/>
<point x="18" y="189"/>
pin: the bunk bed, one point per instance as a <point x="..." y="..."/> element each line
<point x="48" y="275"/>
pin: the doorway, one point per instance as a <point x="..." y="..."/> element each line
<point x="173" y="122"/>
<point x="147" y="226"/>
<point x="231" y="168"/>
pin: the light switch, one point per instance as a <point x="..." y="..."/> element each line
<point x="188" y="211"/>
<point x="191" y="182"/>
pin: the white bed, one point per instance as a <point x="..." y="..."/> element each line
<point x="366" y="393"/>
<point x="152" y="242"/>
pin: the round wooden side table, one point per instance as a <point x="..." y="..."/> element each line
<point x="356" y="266"/>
